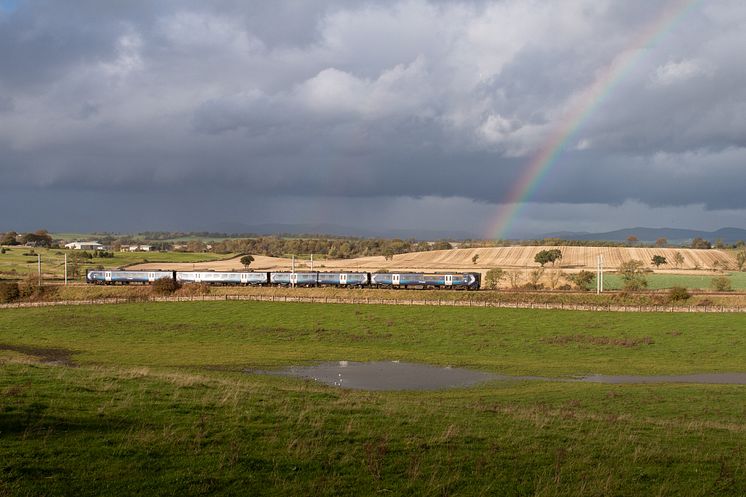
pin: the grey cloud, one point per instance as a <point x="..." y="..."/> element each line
<point x="405" y="99"/>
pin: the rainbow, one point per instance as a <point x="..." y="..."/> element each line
<point x="579" y="113"/>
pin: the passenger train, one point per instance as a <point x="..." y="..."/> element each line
<point x="462" y="281"/>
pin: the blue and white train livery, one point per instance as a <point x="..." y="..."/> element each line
<point x="462" y="281"/>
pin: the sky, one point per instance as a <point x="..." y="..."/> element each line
<point x="132" y="115"/>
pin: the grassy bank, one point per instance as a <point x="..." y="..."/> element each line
<point x="152" y="399"/>
<point x="19" y="262"/>
<point x="539" y="297"/>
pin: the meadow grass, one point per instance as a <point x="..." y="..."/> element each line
<point x="19" y="262"/>
<point x="155" y="400"/>
<point x="692" y="281"/>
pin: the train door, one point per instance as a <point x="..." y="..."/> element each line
<point x="395" y="279"/>
<point x="107" y="275"/>
<point x="293" y="279"/>
<point x="151" y="277"/>
<point x="244" y="278"/>
<point x="449" y="280"/>
<point x="343" y="279"/>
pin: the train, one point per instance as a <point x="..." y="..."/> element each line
<point x="458" y="281"/>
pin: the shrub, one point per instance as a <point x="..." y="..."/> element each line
<point x="533" y="286"/>
<point x="165" y="286"/>
<point x="583" y="280"/>
<point x="8" y="292"/>
<point x="493" y="277"/>
<point x="194" y="289"/>
<point x="30" y="289"/>
<point x="721" y="284"/>
<point x="678" y="294"/>
<point x="633" y="275"/>
<point x="3" y="250"/>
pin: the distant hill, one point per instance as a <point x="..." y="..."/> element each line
<point x="337" y="230"/>
<point x="650" y="235"/>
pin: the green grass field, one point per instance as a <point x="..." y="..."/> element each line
<point x="14" y="264"/>
<point x="153" y="399"/>
<point x="692" y="281"/>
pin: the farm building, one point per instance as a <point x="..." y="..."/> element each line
<point x="85" y="246"/>
<point x="136" y="248"/>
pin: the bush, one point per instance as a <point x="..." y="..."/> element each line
<point x="678" y="294"/>
<point x="583" y="280"/>
<point x="493" y="277"/>
<point x="165" y="286"/>
<point x="3" y="250"/>
<point x="633" y="275"/>
<point x="8" y="292"/>
<point x="194" y="289"/>
<point x="721" y="284"/>
<point x="30" y="289"/>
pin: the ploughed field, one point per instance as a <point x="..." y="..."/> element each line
<point x="159" y="398"/>
<point x="573" y="258"/>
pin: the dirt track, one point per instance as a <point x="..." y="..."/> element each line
<point x="573" y="258"/>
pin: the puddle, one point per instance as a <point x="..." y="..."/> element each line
<point x="701" y="378"/>
<point x="387" y="375"/>
<point x="45" y="355"/>
<point x="394" y="375"/>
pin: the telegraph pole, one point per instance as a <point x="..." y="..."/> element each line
<point x="38" y="260"/>
<point x="65" y="268"/>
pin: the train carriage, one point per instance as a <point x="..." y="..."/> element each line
<point x="222" y="277"/>
<point x="343" y="279"/>
<point x="124" y="277"/>
<point x="469" y="281"/>
<point x="294" y="279"/>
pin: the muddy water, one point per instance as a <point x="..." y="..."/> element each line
<point x="394" y="375"/>
<point x="388" y="375"/>
<point x="701" y="378"/>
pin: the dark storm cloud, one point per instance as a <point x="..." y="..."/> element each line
<point x="439" y="99"/>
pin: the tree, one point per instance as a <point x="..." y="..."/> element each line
<point x="388" y="253"/>
<point x="475" y="258"/>
<point x="661" y="242"/>
<point x="633" y="275"/>
<point x="533" y="278"/>
<point x="246" y="261"/>
<point x="631" y="239"/>
<point x="741" y="259"/>
<point x="658" y="260"/>
<point x="583" y="280"/>
<point x="493" y="277"/>
<point x="545" y="256"/>
<point x="39" y="238"/>
<point x="515" y="278"/>
<point x="721" y="284"/>
<point x="701" y="243"/>
<point x="719" y="244"/>
<point x="555" y="276"/>
<point x="9" y="238"/>
<point x="678" y="259"/>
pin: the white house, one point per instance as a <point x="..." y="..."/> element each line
<point x="136" y="248"/>
<point x="85" y="246"/>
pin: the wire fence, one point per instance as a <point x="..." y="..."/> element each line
<point x="377" y="301"/>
